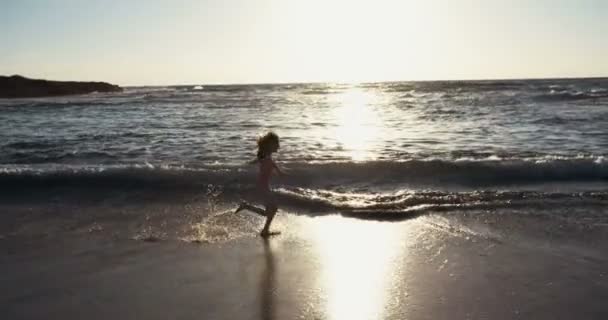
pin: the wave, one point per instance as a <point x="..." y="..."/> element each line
<point x="123" y="186"/>
<point x="404" y="204"/>
<point x="320" y="91"/>
<point x="557" y="120"/>
<point x="570" y="96"/>
<point x="461" y="172"/>
<point x="467" y="172"/>
<point x="44" y="144"/>
<point x="384" y="191"/>
<point x="59" y="156"/>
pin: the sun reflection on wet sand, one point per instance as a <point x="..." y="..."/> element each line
<point x="358" y="263"/>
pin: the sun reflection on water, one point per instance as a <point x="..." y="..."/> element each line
<point x="357" y="123"/>
<point x="358" y="261"/>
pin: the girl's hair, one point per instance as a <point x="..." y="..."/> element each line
<point x="264" y="144"/>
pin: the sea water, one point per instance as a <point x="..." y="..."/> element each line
<point x="371" y="150"/>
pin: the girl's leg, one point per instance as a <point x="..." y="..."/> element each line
<point x="245" y="205"/>
<point x="271" y="210"/>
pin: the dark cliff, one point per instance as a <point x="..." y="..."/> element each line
<point x="21" y="87"/>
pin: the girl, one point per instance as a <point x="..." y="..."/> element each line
<point x="267" y="144"/>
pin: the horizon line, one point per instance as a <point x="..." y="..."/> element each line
<point x="332" y="82"/>
<point x="370" y="82"/>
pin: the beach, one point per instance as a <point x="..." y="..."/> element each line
<point x="402" y="200"/>
<point x="434" y="266"/>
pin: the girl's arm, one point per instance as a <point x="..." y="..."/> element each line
<point x="276" y="167"/>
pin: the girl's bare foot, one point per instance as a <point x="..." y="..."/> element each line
<point x="241" y="207"/>
<point x="266" y="233"/>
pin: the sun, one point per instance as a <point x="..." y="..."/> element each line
<point x="353" y="41"/>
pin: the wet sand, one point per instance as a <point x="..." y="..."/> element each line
<point x="429" y="267"/>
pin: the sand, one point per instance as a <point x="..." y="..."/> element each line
<point x="330" y="267"/>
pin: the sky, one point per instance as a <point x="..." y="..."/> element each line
<point x="154" y="42"/>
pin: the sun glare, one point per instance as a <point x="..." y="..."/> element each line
<point x="357" y="124"/>
<point x="355" y="41"/>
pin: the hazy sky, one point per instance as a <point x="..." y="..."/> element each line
<point x="132" y="42"/>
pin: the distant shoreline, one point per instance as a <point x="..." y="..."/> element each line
<point x="21" y="87"/>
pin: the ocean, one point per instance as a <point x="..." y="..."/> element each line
<point x="170" y="162"/>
